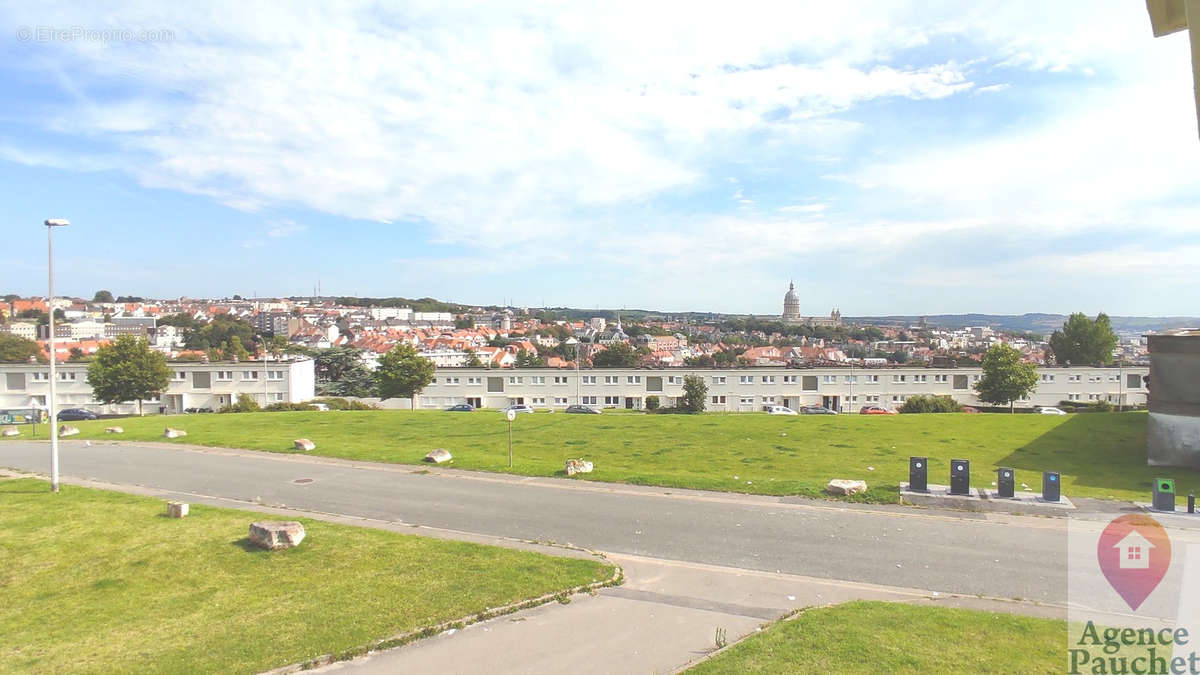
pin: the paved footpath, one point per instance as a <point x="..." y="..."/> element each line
<point x="694" y="561"/>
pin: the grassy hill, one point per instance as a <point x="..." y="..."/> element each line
<point x="1099" y="455"/>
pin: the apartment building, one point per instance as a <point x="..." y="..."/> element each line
<point x="193" y="385"/>
<point x="749" y="389"/>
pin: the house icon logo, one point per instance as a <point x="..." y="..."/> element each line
<point x="1133" y="552"/>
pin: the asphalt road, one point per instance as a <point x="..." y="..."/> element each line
<point x="1000" y="556"/>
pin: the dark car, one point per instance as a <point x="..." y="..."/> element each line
<point x="582" y="409"/>
<point x="816" y="410"/>
<point x="461" y="407"/>
<point x="72" y="414"/>
<point x="197" y="410"/>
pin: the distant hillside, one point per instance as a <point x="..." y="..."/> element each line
<point x="1037" y="323"/>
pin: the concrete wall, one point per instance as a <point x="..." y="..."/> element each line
<point x="1173" y="431"/>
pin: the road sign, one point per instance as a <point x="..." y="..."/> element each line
<point x="510" y="414"/>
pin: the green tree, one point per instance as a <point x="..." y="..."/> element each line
<point x="236" y="348"/>
<point x="695" y="394"/>
<point x="76" y="354"/>
<point x="616" y="355"/>
<point x="528" y="360"/>
<point x="403" y="372"/>
<point x="1005" y="378"/>
<point x="128" y="370"/>
<point x="220" y="330"/>
<point x="473" y="359"/>
<point x="1083" y="341"/>
<point x="103" y="296"/>
<point x="652" y="402"/>
<point x="16" y="349"/>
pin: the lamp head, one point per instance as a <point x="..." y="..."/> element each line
<point x="57" y="222"/>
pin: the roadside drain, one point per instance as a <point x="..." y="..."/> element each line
<point x="302" y="481"/>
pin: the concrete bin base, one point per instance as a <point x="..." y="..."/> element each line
<point x="983" y="500"/>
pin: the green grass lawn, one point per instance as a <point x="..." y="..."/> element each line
<point x="96" y="581"/>
<point x="880" y="637"/>
<point x="1099" y="455"/>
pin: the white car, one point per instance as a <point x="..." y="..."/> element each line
<point x="1051" y="411"/>
<point x="518" y="407"/>
<point x="780" y="410"/>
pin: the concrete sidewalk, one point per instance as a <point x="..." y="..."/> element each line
<point x="663" y="619"/>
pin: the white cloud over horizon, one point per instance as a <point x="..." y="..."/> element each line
<point x="499" y="131"/>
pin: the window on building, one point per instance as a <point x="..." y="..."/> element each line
<point x="474" y="380"/>
<point x="274" y="374"/>
<point x="250" y="375"/>
<point x="790" y="379"/>
<point x="768" y="379"/>
<point x="537" y="379"/>
<point x="654" y="383"/>
<point x="201" y="380"/>
<point x="1046" y="377"/>
<point x="560" y="379"/>
<point x="633" y="379"/>
<point x="809" y="383"/>
<point x="768" y="399"/>
<point x="495" y="384"/>
<point x="745" y="379"/>
<point x="178" y="375"/>
<point x="612" y="400"/>
<point x="747" y="400"/>
<point x="15" y="381"/>
<point x="941" y="378"/>
<point x="674" y="379"/>
<point x="512" y="379"/>
<point x="538" y="400"/>
<point x="611" y="379"/>
<point x="899" y="378"/>
<point x="829" y="379"/>
<point x="40" y="376"/>
<point x="718" y="379"/>
<point x="589" y="400"/>
<point x="66" y="377"/>
<point x="560" y="400"/>
<point x="872" y="379"/>
<point x="275" y="396"/>
<point x="851" y="379"/>
<point x="920" y="378"/>
<point x="224" y="375"/>
<point x="450" y="380"/>
<point x="1133" y="381"/>
<point x="589" y="379"/>
<point x="718" y="400"/>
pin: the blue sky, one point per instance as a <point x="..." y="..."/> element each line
<point x="898" y="157"/>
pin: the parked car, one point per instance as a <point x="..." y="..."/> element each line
<point x="519" y="407"/>
<point x="461" y="407"/>
<point x="197" y="410"/>
<point x="582" y="410"/>
<point x="780" y="410"/>
<point x="323" y="407"/>
<point x="875" y="410"/>
<point x="816" y="410"/>
<point x="73" y="414"/>
<point x="1050" y="410"/>
<point x="969" y="409"/>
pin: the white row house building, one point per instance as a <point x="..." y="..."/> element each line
<point x="193" y="384"/>
<point x="749" y="389"/>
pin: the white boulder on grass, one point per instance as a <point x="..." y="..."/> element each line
<point x="173" y="433"/>
<point x="177" y="509"/>
<point x="303" y="444"/>
<point x="841" y="486"/>
<point x="10" y="431"/>
<point x="67" y="430"/>
<point x="438" y="456"/>
<point x="575" y="466"/>
<point x="275" y="534"/>
<point x="113" y="430"/>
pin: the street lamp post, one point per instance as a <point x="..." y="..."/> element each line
<point x="50" y="225"/>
